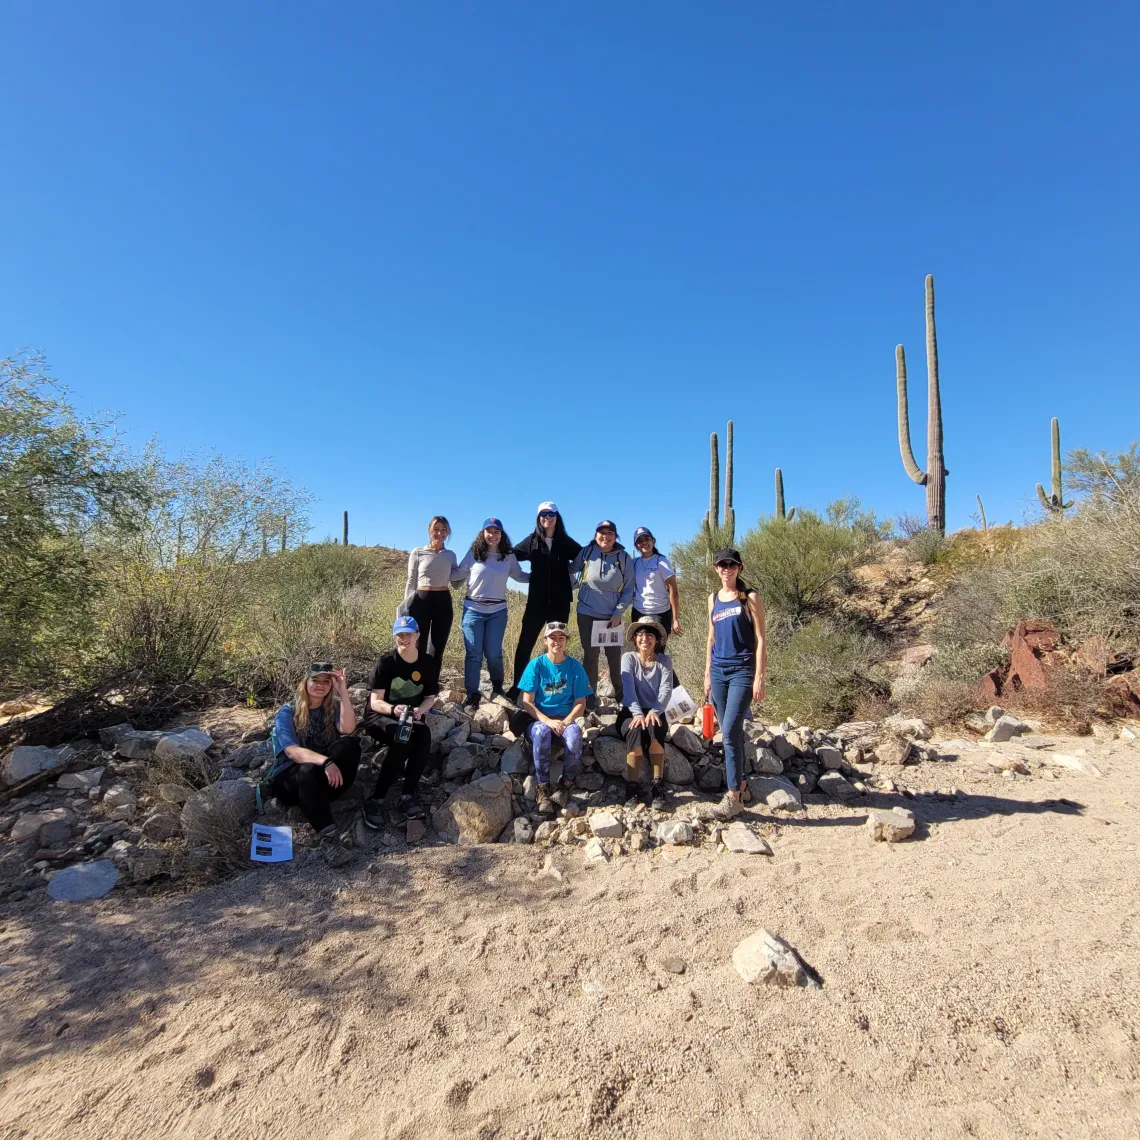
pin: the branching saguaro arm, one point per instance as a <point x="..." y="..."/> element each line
<point x="1056" y="501"/>
<point x="934" y="477"/>
<point x="729" y="512"/>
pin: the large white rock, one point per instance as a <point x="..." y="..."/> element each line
<point x="890" y="825"/>
<point x="606" y="825"/>
<point x="478" y="812"/>
<point x="1005" y="728"/>
<point x="186" y="744"/>
<point x="741" y="838"/>
<point x="27" y="760"/>
<point x="764" y="959"/>
<point x="596" y="851"/>
<point x="775" y="791"/>
<point x="675" y="832"/>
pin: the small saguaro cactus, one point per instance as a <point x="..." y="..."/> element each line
<point x="284" y="532"/>
<point x="344" y="540"/>
<point x="729" y="513"/>
<point x="934" y="477"/>
<point x="1056" y="501"/>
<point x="780" y="514"/>
<point x="982" y="513"/>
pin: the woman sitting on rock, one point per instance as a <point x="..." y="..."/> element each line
<point x="316" y="755"/>
<point x="647" y="685"/>
<point x="734" y="667"/>
<point x="404" y="685"/>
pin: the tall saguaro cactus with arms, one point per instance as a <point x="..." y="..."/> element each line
<point x="780" y="513"/>
<point x="934" y="477"/>
<point x="1056" y="501"/>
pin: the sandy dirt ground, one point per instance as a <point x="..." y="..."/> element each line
<point x="980" y="979"/>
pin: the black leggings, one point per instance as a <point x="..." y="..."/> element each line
<point x="307" y="785"/>
<point x="592" y="653"/>
<point x="433" y="613"/>
<point x="534" y="618"/>
<point x="406" y="758"/>
<point x="642" y="738"/>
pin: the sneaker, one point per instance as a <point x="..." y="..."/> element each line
<point x="728" y="808"/>
<point x="497" y="693"/>
<point x="545" y="803"/>
<point x="658" y="798"/>
<point x="373" y="812"/>
<point x="473" y="699"/>
<point x="332" y="847"/>
<point x="410" y="807"/>
<point x="566" y="785"/>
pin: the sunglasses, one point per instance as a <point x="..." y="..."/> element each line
<point x="548" y="514"/>
<point x="727" y="565"/>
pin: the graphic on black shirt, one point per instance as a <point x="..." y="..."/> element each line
<point x="404" y="682"/>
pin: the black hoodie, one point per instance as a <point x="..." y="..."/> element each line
<point x="549" y="587"/>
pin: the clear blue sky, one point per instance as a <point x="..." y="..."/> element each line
<point x="459" y="257"/>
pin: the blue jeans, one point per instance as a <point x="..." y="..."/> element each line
<point x="483" y="637"/>
<point x="731" y="694"/>
<point x="541" y="739"/>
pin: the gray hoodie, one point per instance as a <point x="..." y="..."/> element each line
<point x="607" y="584"/>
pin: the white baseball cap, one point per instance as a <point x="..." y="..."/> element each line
<point x="547" y="507"/>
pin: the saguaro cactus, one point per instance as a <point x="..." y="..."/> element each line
<point x="344" y="540"/>
<point x="284" y="532"/>
<point x="780" y="499"/>
<point x="934" y="477"/>
<point x="713" y="517"/>
<point x="1056" y="501"/>
<point x="982" y="511"/>
<point x="729" y="513"/>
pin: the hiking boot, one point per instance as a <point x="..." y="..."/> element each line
<point x="545" y="803"/>
<point x="373" y="812"/>
<point x="473" y="699"/>
<point x="728" y="808"/>
<point x="410" y="807"/>
<point x="332" y="847"/>
<point x="657" y="797"/>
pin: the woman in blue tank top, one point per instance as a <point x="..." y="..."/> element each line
<point x="734" y="667"/>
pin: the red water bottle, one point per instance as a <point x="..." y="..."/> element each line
<point x="708" y="721"/>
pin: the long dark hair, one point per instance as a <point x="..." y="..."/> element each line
<point x="480" y="548"/>
<point x="743" y="589"/>
<point x="559" y="529"/>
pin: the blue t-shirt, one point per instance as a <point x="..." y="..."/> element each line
<point x="556" y="687"/>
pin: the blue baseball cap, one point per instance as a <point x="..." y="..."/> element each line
<point x="492" y="522"/>
<point x="405" y="624"/>
<point x="642" y="532"/>
<point x="605" y="524"/>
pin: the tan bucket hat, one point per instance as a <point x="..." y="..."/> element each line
<point x="646" y="622"/>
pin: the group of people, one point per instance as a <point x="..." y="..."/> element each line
<point x="316" y="752"/>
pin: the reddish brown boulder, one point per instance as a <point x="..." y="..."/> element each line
<point x="1032" y="653"/>
<point x="1093" y="655"/>
<point x="1122" y="694"/>
<point x="992" y="683"/>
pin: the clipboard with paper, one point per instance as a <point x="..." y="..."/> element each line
<point x="680" y="706"/>
<point x="606" y="636"/>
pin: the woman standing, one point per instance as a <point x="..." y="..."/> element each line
<point x="647" y="685"/>
<point x="486" y="567"/>
<point x="549" y="550"/>
<point x="735" y="664"/>
<point x="315" y="755"/>
<point x="655" y="591"/>
<point x="605" y="591"/>
<point x="427" y="596"/>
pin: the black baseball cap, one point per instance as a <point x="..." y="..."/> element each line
<point x="606" y="524"/>
<point x="727" y="554"/>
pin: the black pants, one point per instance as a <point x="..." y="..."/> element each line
<point x="534" y="618"/>
<point x="590" y="655"/>
<point x="307" y="785"/>
<point x="642" y="738"/>
<point x="405" y="758"/>
<point x="433" y="613"/>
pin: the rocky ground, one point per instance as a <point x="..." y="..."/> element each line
<point x="969" y="907"/>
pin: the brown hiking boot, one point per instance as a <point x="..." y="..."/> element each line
<point x="545" y="802"/>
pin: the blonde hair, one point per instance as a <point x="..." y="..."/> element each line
<point x="301" y="714"/>
<point x="439" y="519"/>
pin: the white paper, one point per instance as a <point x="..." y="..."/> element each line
<point x="605" y="635"/>
<point x="680" y="705"/>
<point x="271" y="844"/>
